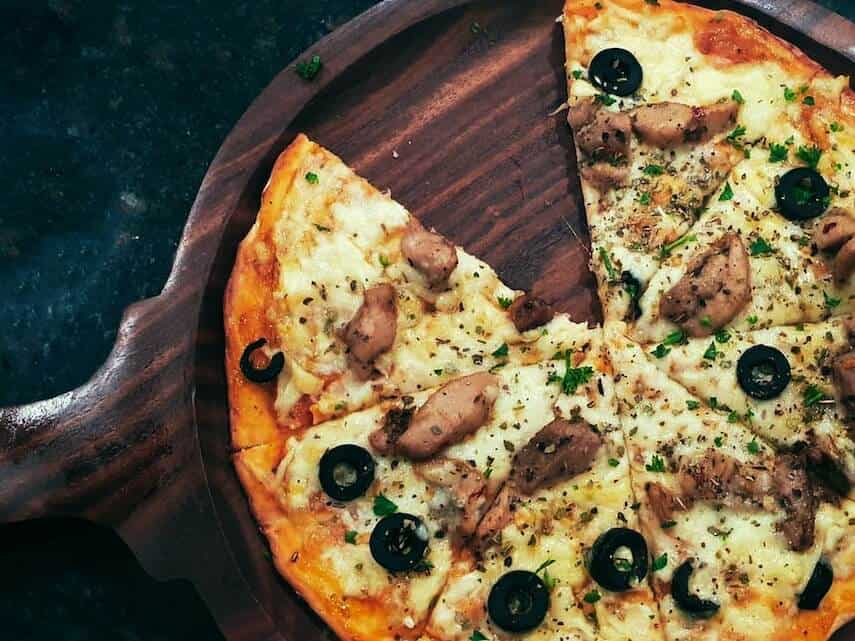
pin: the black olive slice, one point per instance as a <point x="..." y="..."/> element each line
<point x="518" y="601"/>
<point x="763" y="372"/>
<point x="346" y="472"/>
<point x="277" y="362"/>
<point x="801" y="194"/>
<point x="398" y="542"/>
<point x="611" y="570"/>
<point x="817" y="586"/>
<point x="687" y="600"/>
<point x="615" y="71"/>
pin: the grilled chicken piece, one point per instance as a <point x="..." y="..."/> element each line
<point x="466" y="486"/>
<point x="431" y="254"/>
<point x="603" y="138"/>
<point x="667" y="124"/>
<point x="714" y="289"/>
<point x="836" y="232"/>
<point x="371" y="332"/>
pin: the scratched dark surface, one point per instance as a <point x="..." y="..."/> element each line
<point x="109" y="115"/>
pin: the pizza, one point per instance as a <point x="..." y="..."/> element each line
<point x="433" y="455"/>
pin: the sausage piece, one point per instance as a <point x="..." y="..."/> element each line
<point x="371" y="331"/>
<point x="560" y="450"/>
<point x="666" y="124"/>
<point x="432" y="255"/>
<point x="464" y="483"/>
<point x="714" y="289"/>
<point x="528" y="312"/>
<point x="453" y="412"/>
<point x="834" y="230"/>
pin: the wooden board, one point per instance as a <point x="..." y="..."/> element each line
<point x="454" y="120"/>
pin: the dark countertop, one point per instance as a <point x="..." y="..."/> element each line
<point x="109" y="117"/>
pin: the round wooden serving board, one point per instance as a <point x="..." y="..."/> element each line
<point x="445" y="102"/>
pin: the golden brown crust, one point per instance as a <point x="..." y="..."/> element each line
<point x="248" y="299"/>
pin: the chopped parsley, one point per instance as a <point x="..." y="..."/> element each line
<point x="713" y="402"/>
<point x="350" y="537"/>
<point x="504" y="302"/>
<point x="760" y="247"/>
<point x="544" y="565"/>
<point x="501" y="351"/>
<point x="607" y="263"/>
<point x="307" y="70"/>
<point x="711" y="352"/>
<point x="577" y="73"/>
<point x="670" y="247"/>
<point x="604" y="98"/>
<point x="752" y="320"/>
<point x="383" y="506"/>
<point x="738" y="132"/>
<point x="733" y="417"/>
<point x="667" y="525"/>
<point x="312" y="178"/>
<point x="810" y="155"/>
<point x="592" y="597"/>
<point x="384" y="261"/>
<point x="477" y="636"/>
<point x="789" y="94"/>
<point x="813" y="395"/>
<point x="830" y="301"/>
<point x="706" y="321"/>
<point x="661" y="351"/>
<point x="674" y="338"/>
<point x="660" y="562"/>
<point x="438" y="372"/>
<point x="693" y="405"/>
<point x="809" y="101"/>
<point x="488" y="472"/>
<point x="654" y="170"/>
<point x="737" y="96"/>
<point x="754" y="446"/>
<point x="719" y="441"/>
<point x="656" y="464"/>
<point x="778" y="153"/>
<point x="613" y="462"/>
<point x="644" y="199"/>
<point x="835" y="127"/>
<point x="726" y="193"/>
<point x="573" y="376"/>
<point x="722" y="336"/>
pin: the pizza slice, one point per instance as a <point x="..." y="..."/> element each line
<point x="746" y="544"/>
<point x="720" y="121"/>
<point x="558" y="555"/>
<point x="340" y="501"/>
<point x="791" y="385"/>
<point x="339" y="298"/>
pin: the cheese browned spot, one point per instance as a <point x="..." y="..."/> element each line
<point x="371" y="332"/>
<point x="714" y="289"/>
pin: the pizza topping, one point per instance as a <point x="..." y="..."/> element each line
<point x="719" y="477"/>
<point x="666" y="124"/>
<point x="817" y="586"/>
<point x="763" y="372"/>
<point x="518" y="601"/>
<point x="371" y="332"/>
<point x="687" y="600"/>
<point x="465" y="484"/>
<point x="714" y="289"/>
<point x="608" y="563"/>
<point x="616" y="71"/>
<point x="560" y="450"/>
<point x="431" y="254"/>
<point x="346" y="472"/>
<point x="603" y="138"/>
<point x="844" y="379"/>
<point x="801" y="194"/>
<point x="663" y="502"/>
<point x="450" y="414"/>
<point x="395" y="423"/>
<point x="398" y="542"/>
<point x="265" y="374"/>
<point x="836" y="232"/>
<point x="528" y="312"/>
<point x="498" y="516"/>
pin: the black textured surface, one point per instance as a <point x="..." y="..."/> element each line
<point x="109" y="115"/>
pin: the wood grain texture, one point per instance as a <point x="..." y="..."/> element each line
<point x="454" y="120"/>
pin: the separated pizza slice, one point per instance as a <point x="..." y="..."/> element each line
<point x="658" y="129"/>
<point x="559" y="554"/>
<point x="791" y="385"/>
<point x="746" y="544"/>
<point x="342" y="501"/>
<point x="340" y="298"/>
